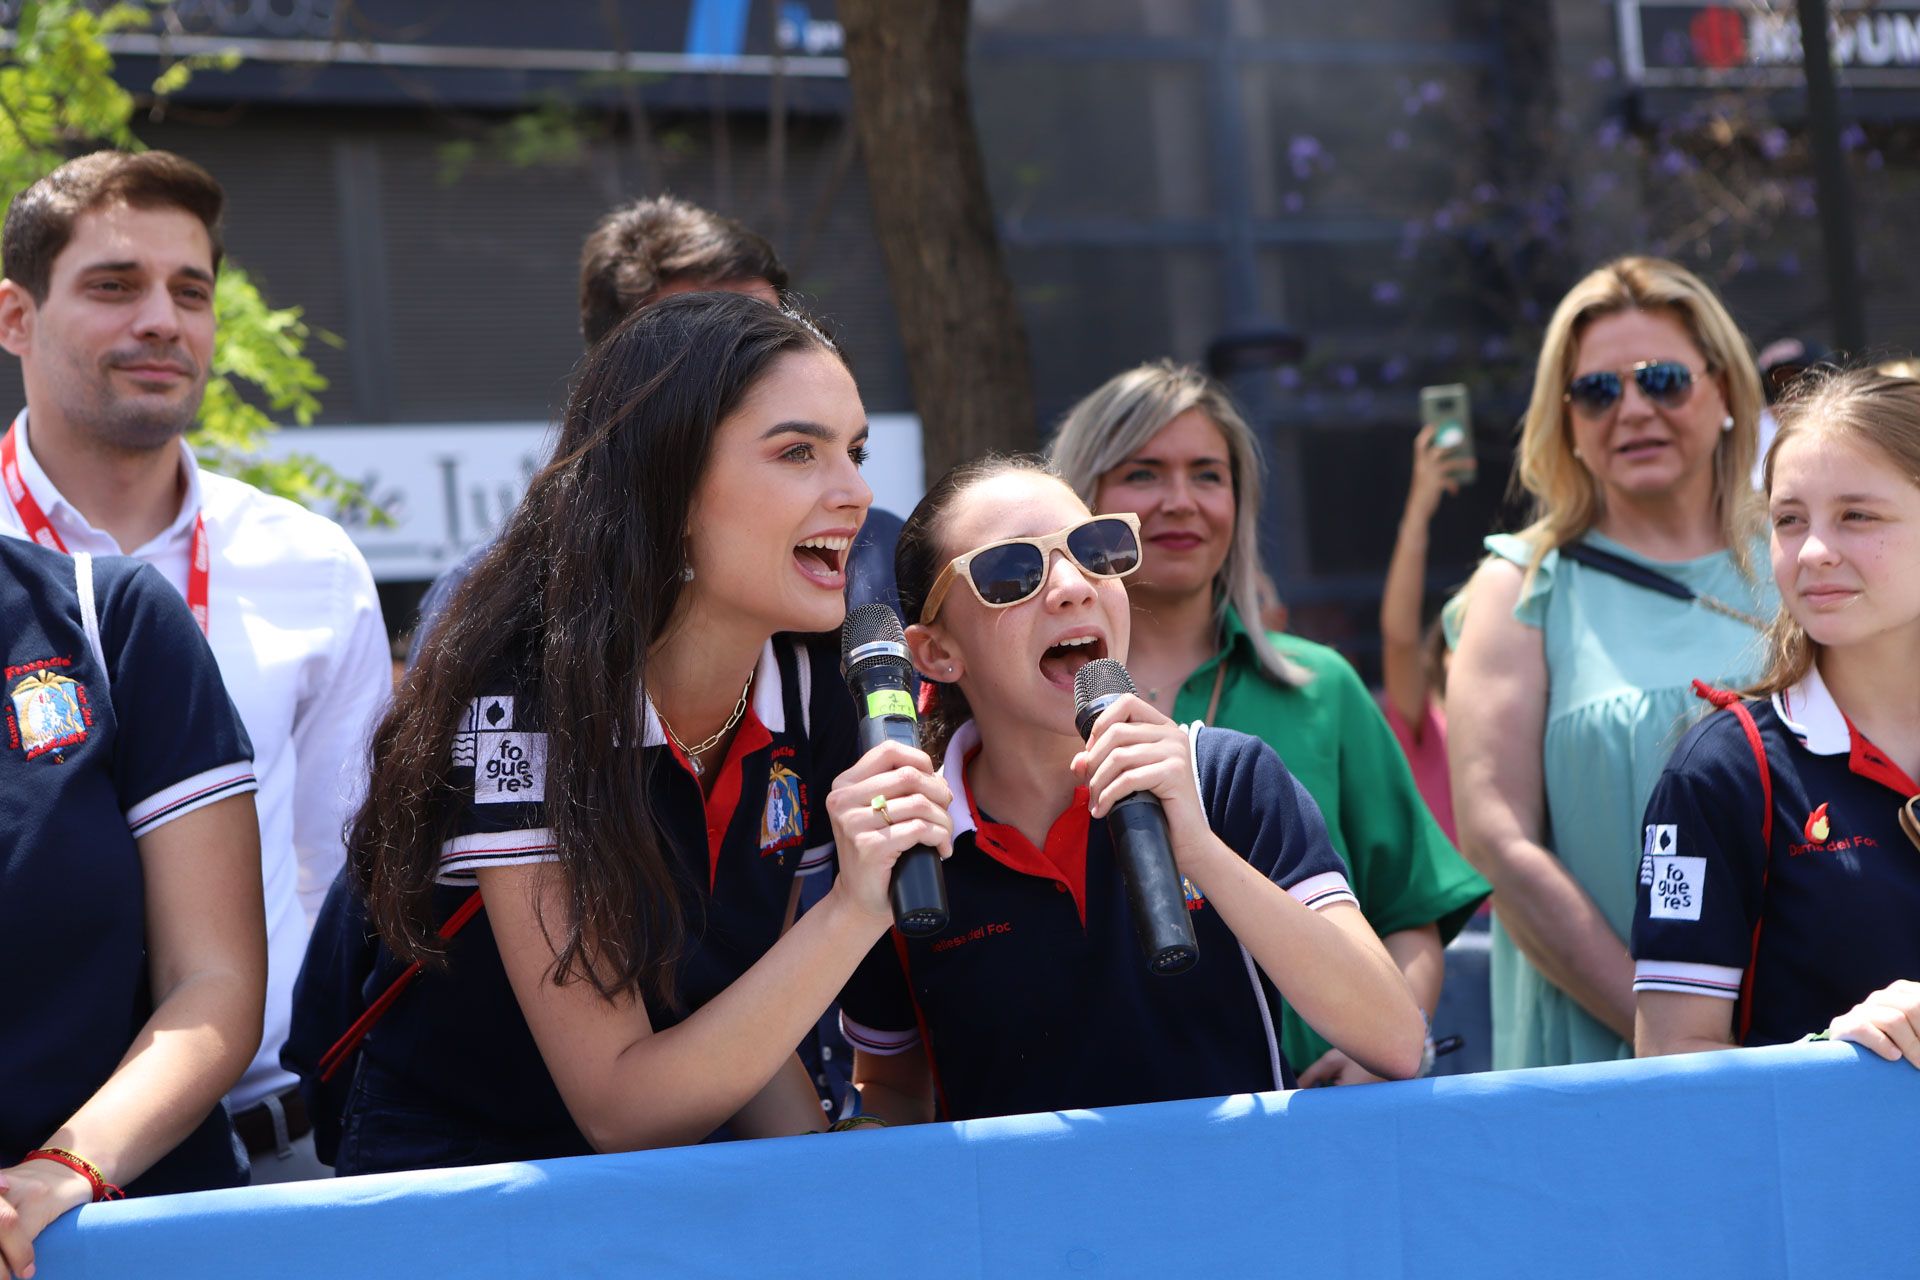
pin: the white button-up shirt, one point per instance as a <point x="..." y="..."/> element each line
<point x="295" y="626"/>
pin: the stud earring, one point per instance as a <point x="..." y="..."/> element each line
<point x="686" y="574"/>
<point x="1726" y="423"/>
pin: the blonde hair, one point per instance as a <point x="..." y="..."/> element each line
<point x="1871" y="408"/>
<point x="1118" y="419"/>
<point x="1567" y="500"/>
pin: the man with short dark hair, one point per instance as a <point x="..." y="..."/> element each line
<point x="652" y="249"/>
<point x="108" y="302"/>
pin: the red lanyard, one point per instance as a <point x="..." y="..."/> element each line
<point x="34" y="520"/>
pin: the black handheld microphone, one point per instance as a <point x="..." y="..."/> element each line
<point x="1138" y="827"/>
<point x="873" y="654"/>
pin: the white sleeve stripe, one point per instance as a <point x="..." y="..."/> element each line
<point x="461" y="870"/>
<point x="462" y="854"/>
<point x="498" y="842"/>
<point x="1686" y="978"/>
<point x="1323" y="890"/>
<point x="185" y="796"/>
<point x="884" y="1043"/>
<point x="818" y="856"/>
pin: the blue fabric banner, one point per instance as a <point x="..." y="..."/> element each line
<point x="1794" y="1161"/>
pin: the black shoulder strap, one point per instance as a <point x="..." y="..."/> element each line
<point x="1653" y="580"/>
<point x="1626" y="570"/>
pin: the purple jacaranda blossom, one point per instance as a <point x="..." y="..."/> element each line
<point x="1303" y="153"/>
<point x="1494" y="348"/>
<point x="1674" y="162"/>
<point x="1443" y="218"/>
<point x="1293" y="202"/>
<point x="1446" y="347"/>
<point x="1876" y="161"/>
<point x="1485" y="192"/>
<point x="1398" y="140"/>
<point x="1608" y="135"/>
<point x="1789" y="263"/>
<point x="1347" y="376"/>
<point x="1853" y="137"/>
<point x="1774" y="143"/>
<point x="1741" y="261"/>
<point x="1386" y="293"/>
<point x="1393" y="369"/>
<point x="1287" y="377"/>
<point x="1601" y="69"/>
<point x="1432" y="92"/>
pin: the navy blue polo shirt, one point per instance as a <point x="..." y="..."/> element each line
<point x="113" y="723"/>
<point x="453" y="1059"/>
<point x="1802" y="929"/>
<point x="1036" y="996"/>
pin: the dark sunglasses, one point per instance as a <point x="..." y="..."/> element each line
<point x="1003" y="574"/>
<point x="1667" y="383"/>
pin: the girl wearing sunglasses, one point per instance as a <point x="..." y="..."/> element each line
<point x="1571" y="678"/>
<point x="1037" y="997"/>
<point x="1775" y="904"/>
<point x="620" y="735"/>
<point x="1165" y="444"/>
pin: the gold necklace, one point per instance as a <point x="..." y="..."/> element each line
<point x="694" y="752"/>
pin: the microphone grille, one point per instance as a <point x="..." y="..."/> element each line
<point x="871" y="634"/>
<point x="1101" y="678"/>
<point x="870" y="624"/>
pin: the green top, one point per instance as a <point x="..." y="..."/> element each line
<point x="1330" y="735"/>
<point x="1621" y="660"/>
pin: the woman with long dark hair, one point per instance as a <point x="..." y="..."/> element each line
<point x="1037" y="997"/>
<point x="624" y="736"/>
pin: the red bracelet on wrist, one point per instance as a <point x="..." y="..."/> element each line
<point x="102" y="1189"/>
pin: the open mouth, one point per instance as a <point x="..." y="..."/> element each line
<point x="1062" y="660"/>
<point x="824" y="560"/>
<point x="1641" y="448"/>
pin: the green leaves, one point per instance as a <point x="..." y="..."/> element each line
<point x="58" y="99"/>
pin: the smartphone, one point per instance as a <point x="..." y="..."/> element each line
<point x="1451" y="413"/>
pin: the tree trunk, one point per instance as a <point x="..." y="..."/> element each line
<point x="965" y="342"/>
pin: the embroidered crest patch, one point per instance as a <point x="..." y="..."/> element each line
<point x="782" y="823"/>
<point x="47" y="712"/>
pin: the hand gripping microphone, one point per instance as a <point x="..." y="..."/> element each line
<point x="873" y="654"/>
<point x="1138" y="828"/>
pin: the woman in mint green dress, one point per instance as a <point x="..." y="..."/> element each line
<point x="1570" y="685"/>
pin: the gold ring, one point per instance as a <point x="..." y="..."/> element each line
<point x="879" y="806"/>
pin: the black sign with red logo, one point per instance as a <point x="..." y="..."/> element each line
<point x="1745" y="44"/>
